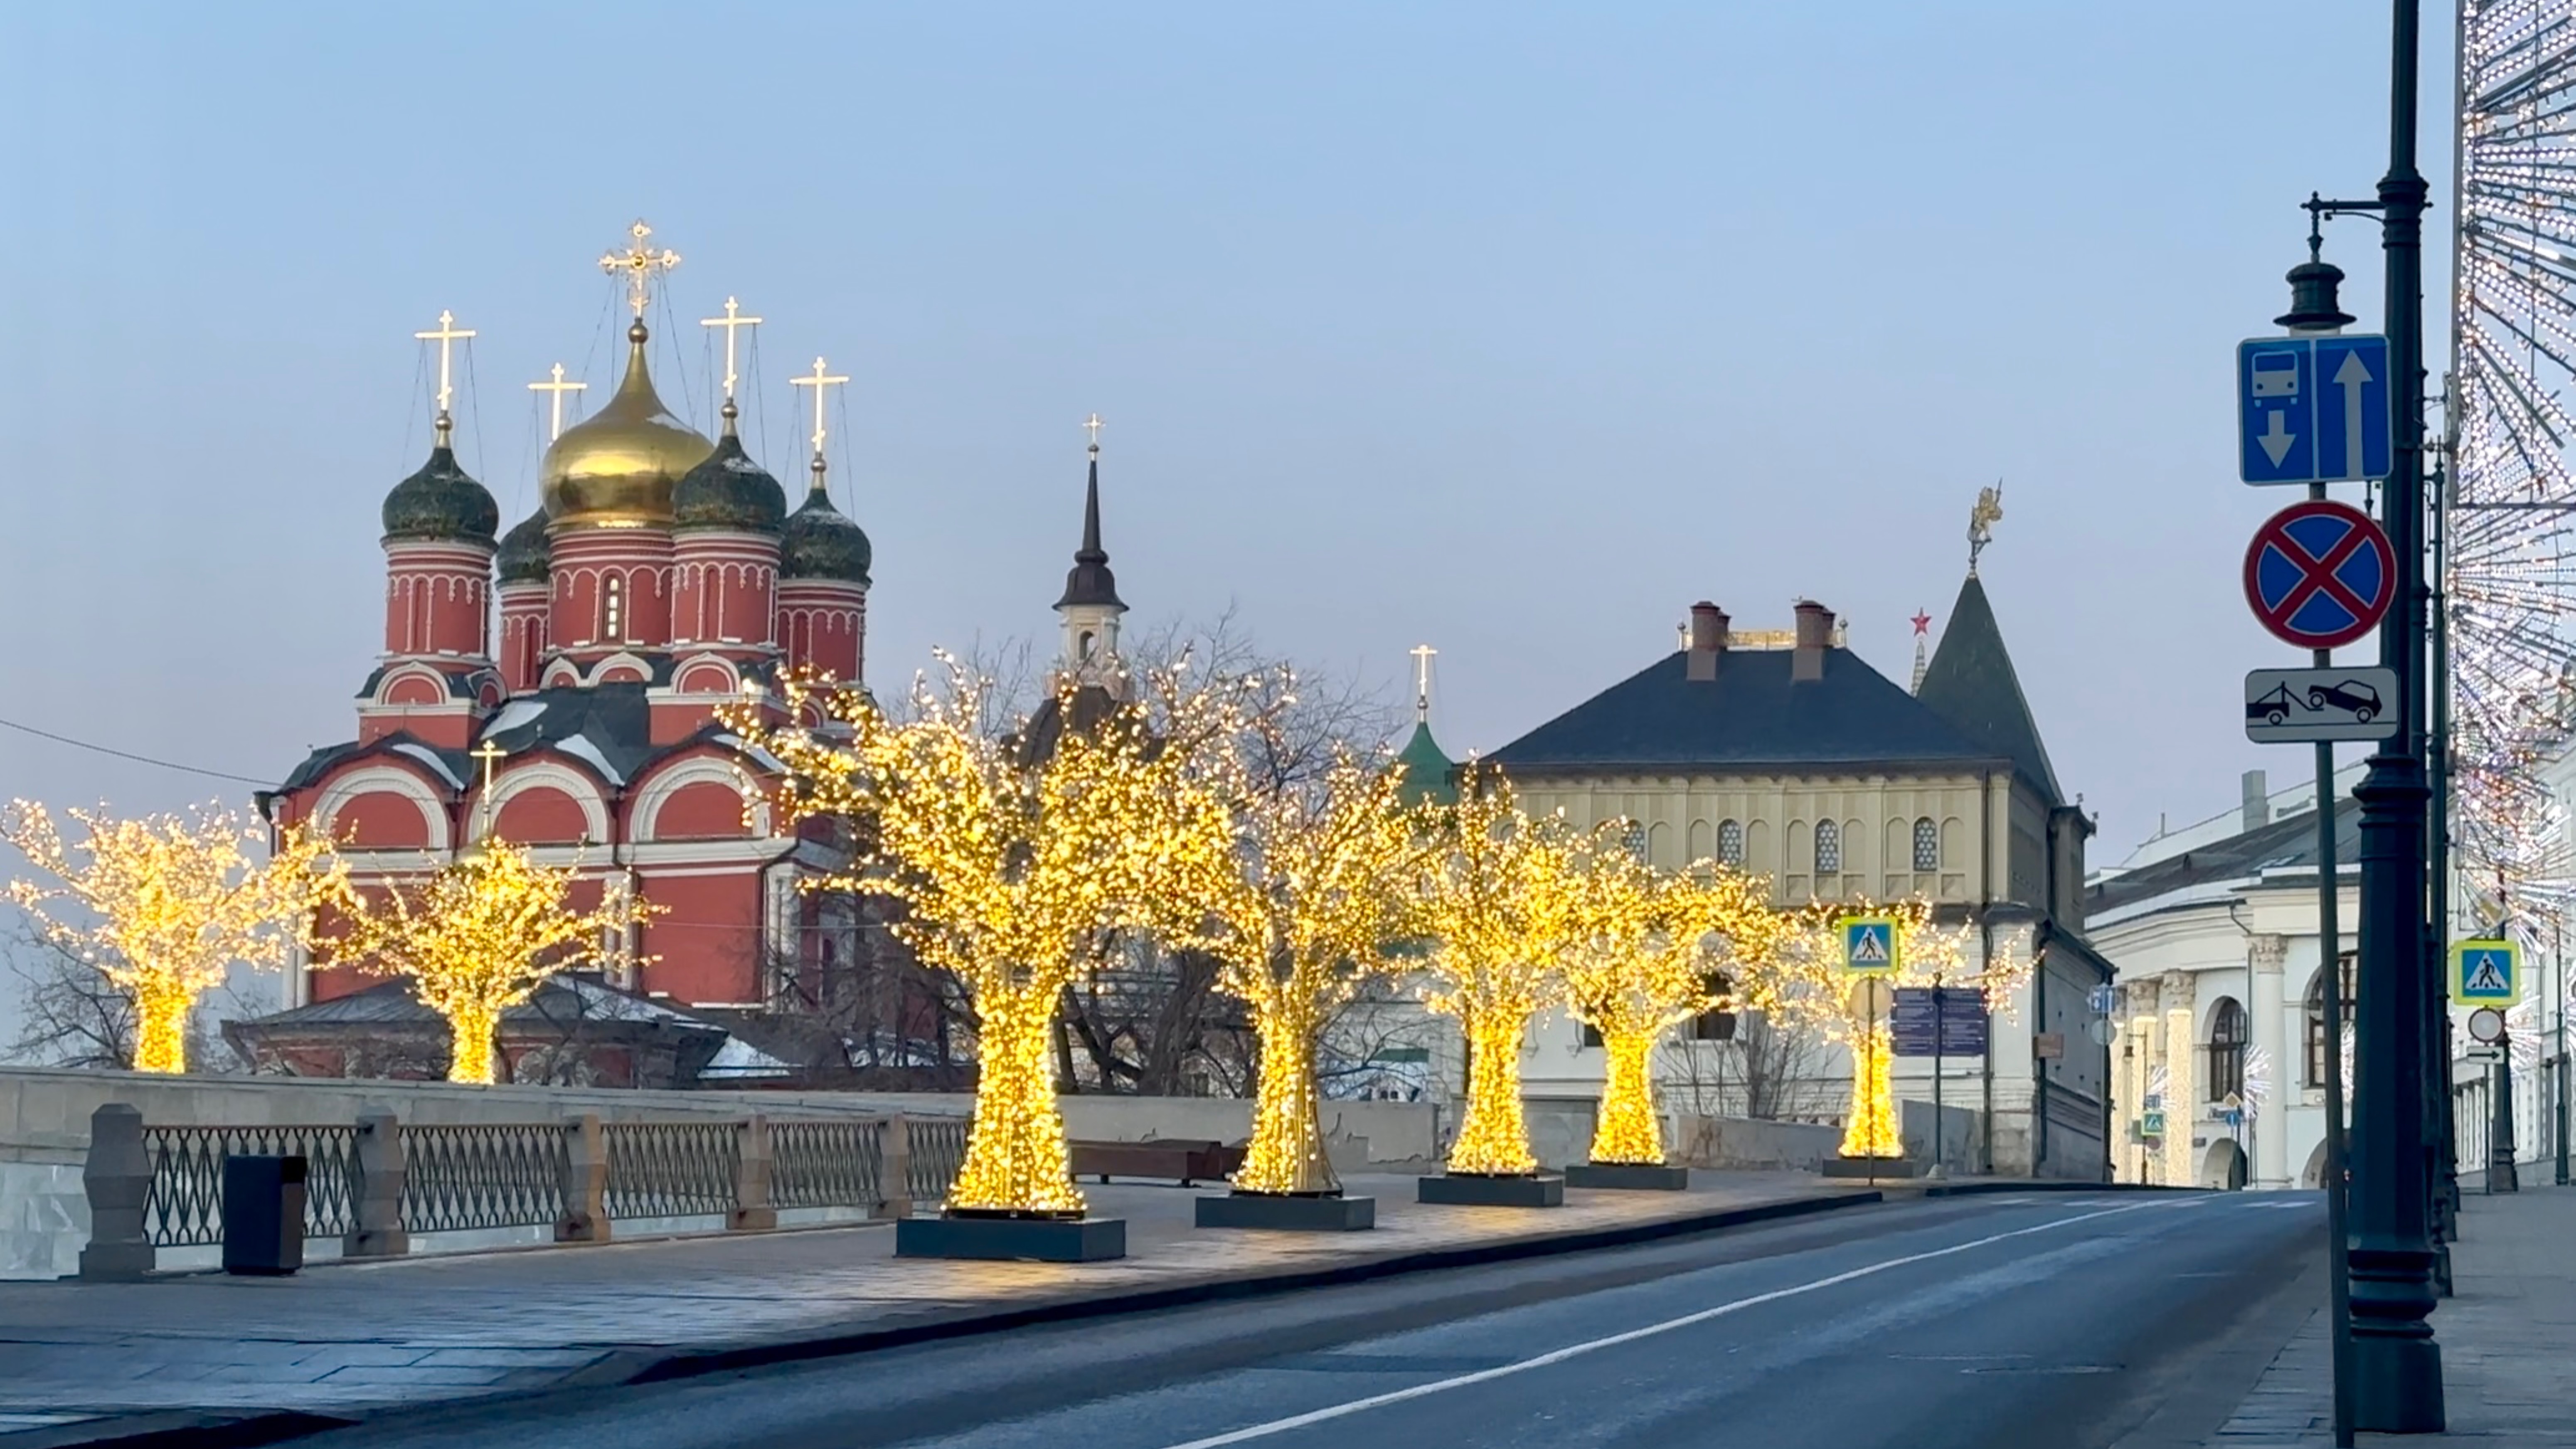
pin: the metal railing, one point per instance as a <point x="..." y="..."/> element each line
<point x="499" y="1175"/>
<point x="676" y="1169"/>
<point x="564" y="1174"/>
<point x="185" y="1206"/>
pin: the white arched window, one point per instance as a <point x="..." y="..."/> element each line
<point x="1730" y="843"/>
<point x="612" y="609"/>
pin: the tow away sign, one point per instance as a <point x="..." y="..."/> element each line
<point x="2303" y="706"/>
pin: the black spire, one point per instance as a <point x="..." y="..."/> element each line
<point x="1090" y="581"/>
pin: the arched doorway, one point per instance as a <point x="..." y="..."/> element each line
<point x="2314" y="1174"/>
<point x="2222" y="1167"/>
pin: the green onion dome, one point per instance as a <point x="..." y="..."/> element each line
<point x="526" y="555"/>
<point x="440" y="503"/>
<point x="729" y="490"/>
<point x="821" y="542"/>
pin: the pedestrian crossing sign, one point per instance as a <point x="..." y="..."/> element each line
<point x="1870" y="945"/>
<point x="2486" y="973"/>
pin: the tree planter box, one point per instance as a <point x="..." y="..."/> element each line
<point x="1628" y="1176"/>
<point x="1031" y="1240"/>
<point x="1459" y="1189"/>
<point x="1288" y="1214"/>
<point x="1870" y="1167"/>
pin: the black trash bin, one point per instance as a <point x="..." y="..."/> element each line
<point x="263" y="1215"/>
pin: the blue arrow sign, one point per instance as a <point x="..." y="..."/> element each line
<point x="2313" y="409"/>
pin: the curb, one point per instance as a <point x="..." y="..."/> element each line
<point x="687" y="1364"/>
<point x="179" y="1429"/>
<point x="1981" y="1189"/>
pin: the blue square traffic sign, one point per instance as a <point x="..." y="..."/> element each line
<point x="2313" y="409"/>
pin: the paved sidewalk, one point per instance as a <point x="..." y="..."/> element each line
<point x="345" y="1337"/>
<point x="2508" y="1340"/>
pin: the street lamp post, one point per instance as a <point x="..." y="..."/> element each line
<point x="2397" y="1367"/>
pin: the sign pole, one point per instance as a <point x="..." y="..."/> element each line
<point x="2330" y="957"/>
<point x="1940" y="1035"/>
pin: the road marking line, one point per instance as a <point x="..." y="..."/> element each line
<point x="1557" y="1356"/>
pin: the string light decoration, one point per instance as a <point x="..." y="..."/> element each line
<point x="477" y="938"/>
<point x="177" y="901"/>
<point x="1319" y="898"/>
<point x="2510" y="513"/>
<point x="1649" y="951"/>
<point x="1806" y="981"/>
<point x="1023" y="859"/>
<point x="1495" y="903"/>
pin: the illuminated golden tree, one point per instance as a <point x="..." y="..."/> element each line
<point x="1320" y="895"/>
<point x="1022" y="859"/>
<point x="1494" y="903"/>
<point x="177" y="900"/>
<point x="477" y="938"/>
<point x="1648" y="952"/>
<point x="1807" y="981"/>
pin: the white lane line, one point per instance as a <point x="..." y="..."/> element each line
<point x="1460" y="1381"/>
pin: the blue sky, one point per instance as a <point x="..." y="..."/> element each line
<point x="1513" y="328"/>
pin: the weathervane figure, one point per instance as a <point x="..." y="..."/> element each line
<point x="1982" y="520"/>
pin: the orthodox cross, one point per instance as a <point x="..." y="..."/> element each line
<point x="446" y="337"/>
<point x="558" y="387"/>
<point x="1422" y="682"/>
<point x="819" y="381"/>
<point x="490" y="753"/>
<point x="639" y="263"/>
<point x="1091" y="425"/>
<point x="731" y="320"/>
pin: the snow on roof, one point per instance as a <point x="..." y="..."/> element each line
<point x="752" y="752"/>
<point x="514" y="714"/>
<point x="581" y="748"/>
<point x="429" y="757"/>
<point x="738" y="1058"/>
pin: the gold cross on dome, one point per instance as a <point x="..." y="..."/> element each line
<point x="1422" y="654"/>
<point x="730" y="321"/>
<point x="819" y="381"/>
<point x="558" y="387"/>
<point x="447" y="335"/>
<point x="639" y="262"/>
<point x="1091" y="425"/>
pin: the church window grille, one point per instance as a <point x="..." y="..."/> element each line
<point x="1634" y="838"/>
<point x="1730" y="843"/>
<point x="612" y="609"/>
<point x="1829" y="847"/>
<point x="1927" y="844"/>
<point x="2226" y="1051"/>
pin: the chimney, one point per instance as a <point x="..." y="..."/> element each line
<point x="2258" y="801"/>
<point x="1815" y="635"/>
<point x="1707" y="640"/>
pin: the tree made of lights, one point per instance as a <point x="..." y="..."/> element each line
<point x="476" y="938"/>
<point x="1805" y="981"/>
<point x="177" y="901"/>
<point x="1494" y="903"/>
<point x="1320" y="896"/>
<point x="1649" y="951"/>
<point x="1021" y="862"/>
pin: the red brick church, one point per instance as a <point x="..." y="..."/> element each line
<point x="663" y="576"/>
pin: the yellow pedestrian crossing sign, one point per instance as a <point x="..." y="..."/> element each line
<point x="1870" y="945"/>
<point x="2486" y="973"/>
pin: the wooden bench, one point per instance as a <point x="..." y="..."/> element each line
<point x="1186" y="1161"/>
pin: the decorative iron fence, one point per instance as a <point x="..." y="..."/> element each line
<point x="502" y="1175"/>
<point x="938" y="1151"/>
<point x="185" y="1205"/>
<point x="672" y="1169"/>
<point x="461" y="1178"/>
<point x="821" y="1162"/>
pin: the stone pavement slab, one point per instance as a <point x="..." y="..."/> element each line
<point x="2508" y="1338"/>
<point x="347" y="1337"/>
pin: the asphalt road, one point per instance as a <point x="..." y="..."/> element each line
<point x="2027" y="1321"/>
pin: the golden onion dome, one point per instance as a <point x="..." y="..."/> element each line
<point x="616" y="468"/>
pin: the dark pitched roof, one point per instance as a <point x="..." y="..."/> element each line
<point x="1752" y="715"/>
<point x="1971" y="683"/>
<point x="562" y="998"/>
<point x="2289" y="843"/>
<point x="611" y="722"/>
<point x="1090" y="581"/>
